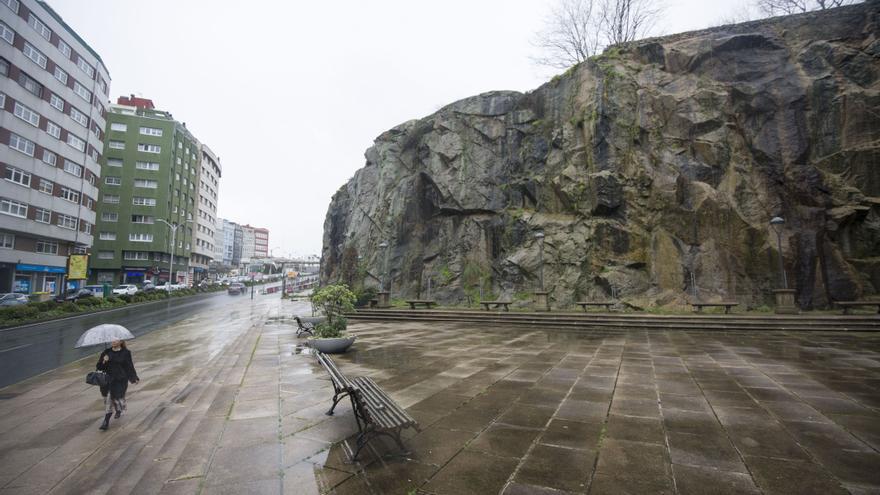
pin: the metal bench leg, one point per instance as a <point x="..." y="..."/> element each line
<point x="336" y="398"/>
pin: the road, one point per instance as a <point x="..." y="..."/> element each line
<point x="33" y="349"/>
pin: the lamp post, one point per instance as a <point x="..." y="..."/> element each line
<point x="542" y="301"/>
<point x="777" y="224"/>
<point x="784" y="296"/>
<point x="173" y="227"/>
<point x="382" y="297"/>
<point x="540" y="237"/>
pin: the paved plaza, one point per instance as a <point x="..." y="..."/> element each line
<point x="502" y="410"/>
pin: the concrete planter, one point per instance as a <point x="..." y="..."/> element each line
<point x="332" y="346"/>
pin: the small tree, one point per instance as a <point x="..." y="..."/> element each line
<point x="333" y="301"/>
<point x="788" y="7"/>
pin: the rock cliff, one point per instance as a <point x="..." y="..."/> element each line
<point x="653" y="171"/>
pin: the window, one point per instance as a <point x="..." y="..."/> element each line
<point x="140" y="237"/>
<point x="141" y="201"/>
<point x="149" y="148"/>
<point x="75" y="142"/>
<point x="60" y="75"/>
<point x="64" y="48"/>
<point x="6" y="33"/>
<point x="30" y="84"/>
<point x="114" y="162"/>
<point x="147" y="183"/>
<point x="42" y="215"/>
<point x="50" y="158"/>
<point x="88" y="202"/>
<point x="79" y="117"/>
<point x="53" y="130"/>
<point x="14" y="208"/>
<point x="4" y="67"/>
<point x="85" y="67"/>
<point x="151" y="131"/>
<point x="111" y="199"/>
<point x="142" y="219"/>
<point x="116" y="126"/>
<point x="17" y="176"/>
<point x="107" y="236"/>
<point x="56" y="102"/>
<point x="82" y="92"/>
<point x="19" y="143"/>
<point x="2" y="101"/>
<point x="47" y="186"/>
<point x="93" y="154"/>
<point x="135" y="255"/>
<point x="66" y="222"/>
<point x="72" y="168"/>
<point x="102" y="85"/>
<point x="45" y="247"/>
<point x="112" y="181"/>
<point x="117" y="145"/>
<point x="70" y="195"/>
<point x="34" y="54"/>
<point x="12" y="4"/>
<point x="147" y="165"/>
<point x="106" y="255"/>
<point x="7" y="241"/>
<point x="39" y="27"/>
<point x="109" y="217"/>
<point x="26" y="114"/>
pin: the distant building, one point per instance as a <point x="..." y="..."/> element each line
<point x="151" y="172"/>
<point x="206" y="219"/>
<point x="261" y="242"/>
<point x="236" y="244"/>
<point x="52" y="109"/>
<point x="247" y="244"/>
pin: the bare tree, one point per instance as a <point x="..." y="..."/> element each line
<point x="571" y="34"/>
<point x="624" y="21"/>
<point x="788" y="7"/>
<point x="575" y="30"/>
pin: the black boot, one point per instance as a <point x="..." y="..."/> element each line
<point x="118" y="413"/>
<point x="106" y="423"/>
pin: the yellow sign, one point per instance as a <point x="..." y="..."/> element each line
<point x="78" y="267"/>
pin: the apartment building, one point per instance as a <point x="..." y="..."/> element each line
<point x="52" y="119"/>
<point x="206" y="220"/>
<point x="148" y="196"/>
<point x="261" y="242"/>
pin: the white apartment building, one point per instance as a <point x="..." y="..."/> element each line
<point x="206" y="220"/>
<point x="247" y="244"/>
<point x="53" y="100"/>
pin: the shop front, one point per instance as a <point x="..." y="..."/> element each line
<point x="133" y="275"/>
<point x="29" y="279"/>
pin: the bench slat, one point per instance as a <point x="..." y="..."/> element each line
<point x="383" y="409"/>
<point x="335" y="373"/>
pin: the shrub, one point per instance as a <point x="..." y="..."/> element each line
<point x="334" y="301"/>
<point x="69" y="307"/>
<point x="89" y="302"/>
<point x="364" y="296"/>
<point x="328" y="330"/>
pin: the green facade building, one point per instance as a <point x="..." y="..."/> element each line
<point x="150" y="176"/>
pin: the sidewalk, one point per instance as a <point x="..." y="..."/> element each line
<point x="507" y="410"/>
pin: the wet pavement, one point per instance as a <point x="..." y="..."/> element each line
<point x="238" y="407"/>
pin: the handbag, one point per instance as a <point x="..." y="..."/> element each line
<point x="98" y="378"/>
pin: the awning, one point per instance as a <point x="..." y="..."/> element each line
<point x="22" y="267"/>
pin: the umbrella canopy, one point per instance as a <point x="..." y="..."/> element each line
<point x="103" y="334"/>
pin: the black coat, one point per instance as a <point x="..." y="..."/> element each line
<point x="120" y="368"/>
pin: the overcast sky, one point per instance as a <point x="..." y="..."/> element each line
<point x="290" y="94"/>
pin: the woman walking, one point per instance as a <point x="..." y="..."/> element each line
<point x="116" y="362"/>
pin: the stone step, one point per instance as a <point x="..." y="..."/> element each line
<point x="632" y="321"/>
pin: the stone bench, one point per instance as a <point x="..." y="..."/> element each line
<point x="421" y="302"/>
<point x="727" y="305"/>
<point x="585" y="304"/>
<point x="846" y="305"/>
<point x="497" y="304"/>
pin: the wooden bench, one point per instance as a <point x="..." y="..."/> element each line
<point x="497" y="304"/>
<point x="727" y="305"/>
<point x="342" y="386"/>
<point x="584" y="304"/>
<point x="377" y="414"/>
<point x="303" y="327"/>
<point x="846" y="305"/>
<point x="421" y="302"/>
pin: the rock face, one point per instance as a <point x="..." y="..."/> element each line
<point x="653" y="171"/>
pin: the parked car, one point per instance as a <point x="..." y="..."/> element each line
<point x="74" y="295"/>
<point x="97" y="290"/>
<point x="13" y="299"/>
<point x="148" y="286"/>
<point x="125" y="289"/>
<point x="236" y="289"/>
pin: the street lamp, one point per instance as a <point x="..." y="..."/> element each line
<point x="173" y="228"/>
<point x="540" y="237"/>
<point x="777" y="224"/>
<point x="383" y="246"/>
